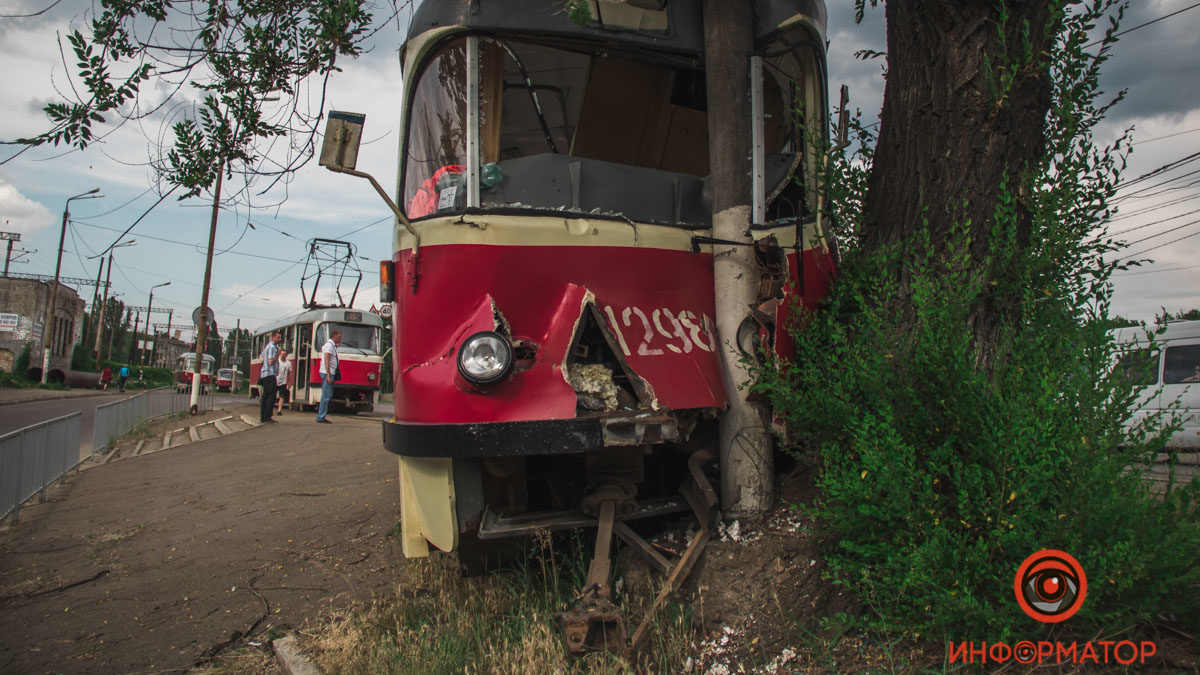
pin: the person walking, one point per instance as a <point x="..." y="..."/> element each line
<point x="284" y="387"/>
<point x="267" y="378"/>
<point x="105" y="378"/>
<point x="124" y="374"/>
<point x="329" y="368"/>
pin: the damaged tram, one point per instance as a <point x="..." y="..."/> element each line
<point x="555" y="361"/>
<point x="553" y="288"/>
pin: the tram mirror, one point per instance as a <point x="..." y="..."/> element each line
<point x="343" y="133"/>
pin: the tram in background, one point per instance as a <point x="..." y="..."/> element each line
<point x="304" y="334"/>
<point x="185" y="364"/>
<point x="553" y="288"/>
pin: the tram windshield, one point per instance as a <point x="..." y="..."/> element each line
<point x="355" y="336"/>
<point x="573" y="130"/>
<point x="188" y="363"/>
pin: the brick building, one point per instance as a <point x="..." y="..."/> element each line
<point x="23" y="310"/>
<point x="167" y="349"/>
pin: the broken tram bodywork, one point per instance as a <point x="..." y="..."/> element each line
<point x="552" y="281"/>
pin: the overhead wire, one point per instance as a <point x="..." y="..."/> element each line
<point x="1143" y="25"/>
<point x="1154" y="248"/>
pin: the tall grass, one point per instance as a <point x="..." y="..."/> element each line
<point x="502" y="624"/>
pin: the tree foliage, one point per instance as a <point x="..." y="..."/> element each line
<point x="941" y="471"/>
<point x="234" y="73"/>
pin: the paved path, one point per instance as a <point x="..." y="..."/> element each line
<point x="157" y="562"/>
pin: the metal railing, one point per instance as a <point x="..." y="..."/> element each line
<point x="34" y="457"/>
<point x="118" y="418"/>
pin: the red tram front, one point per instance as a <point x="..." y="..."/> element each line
<point x="553" y="295"/>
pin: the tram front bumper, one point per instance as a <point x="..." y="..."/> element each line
<point x="532" y="437"/>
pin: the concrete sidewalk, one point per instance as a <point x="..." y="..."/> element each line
<point x="161" y="562"/>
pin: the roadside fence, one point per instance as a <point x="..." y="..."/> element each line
<point x="34" y="457"/>
<point x="120" y="417"/>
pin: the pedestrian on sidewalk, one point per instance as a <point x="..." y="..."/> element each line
<point x="105" y="378"/>
<point x="267" y="377"/>
<point x="124" y="376"/>
<point x="283" y="380"/>
<point x="329" y="374"/>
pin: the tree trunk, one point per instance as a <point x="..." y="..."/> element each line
<point x="965" y="101"/>
<point x="747" y="470"/>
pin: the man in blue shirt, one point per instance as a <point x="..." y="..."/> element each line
<point x="124" y="376"/>
<point x="267" y="378"/>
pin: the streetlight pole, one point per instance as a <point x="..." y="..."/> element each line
<point x="48" y="324"/>
<point x="150" y="313"/>
<point x="104" y="303"/>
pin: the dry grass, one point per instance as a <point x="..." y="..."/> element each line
<point x="502" y="624"/>
<point x="242" y="661"/>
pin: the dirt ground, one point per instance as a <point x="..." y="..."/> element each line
<point x="162" y="561"/>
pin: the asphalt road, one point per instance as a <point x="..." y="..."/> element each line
<point x="20" y="415"/>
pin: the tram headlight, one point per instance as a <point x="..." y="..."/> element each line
<point x="485" y="358"/>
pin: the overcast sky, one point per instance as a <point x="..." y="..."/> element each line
<point x="256" y="278"/>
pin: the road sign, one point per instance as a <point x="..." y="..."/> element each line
<point x="207" y="313"/>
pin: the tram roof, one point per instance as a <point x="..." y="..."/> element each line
<point x="684" y="33"/>
<point x="321" y="314"/>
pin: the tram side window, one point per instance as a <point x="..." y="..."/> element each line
<point x="437" y="136"/>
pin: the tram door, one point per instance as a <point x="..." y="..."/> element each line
<point x="303" y="360"/>
<point x="289" y="343"/>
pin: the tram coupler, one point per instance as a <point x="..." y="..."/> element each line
<point x="593" y="622"/>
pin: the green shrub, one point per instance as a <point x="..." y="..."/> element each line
<point x="11" y="380"/>
<point x="82" y="359"/>
<point x="21" y="365"/>
<point x="942" y="464"/>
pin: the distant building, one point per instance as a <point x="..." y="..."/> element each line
<point x="167" y="349"/>
<point x="23" y="310"/>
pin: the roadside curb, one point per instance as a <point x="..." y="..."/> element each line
<point x="291" y="660"/>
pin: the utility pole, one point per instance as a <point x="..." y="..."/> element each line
<point x="133" y="343"/>
<point x="237" y="368"/>
<point x="48" y="324"/>
<point x="103" y="305"/>
<point x="202" y="336"/>
<point x="149" y="329"/>
<point x="11" y="237"/>
<point x="747" y="469"/>
<point x="95" y="303"/>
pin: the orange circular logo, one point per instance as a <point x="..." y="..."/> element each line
<point x="1050" y="586"/>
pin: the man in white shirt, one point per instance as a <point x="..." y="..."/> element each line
<point x="329" y="367"/>
<point x="284" y="386"/>
<point x="267" y="377"/>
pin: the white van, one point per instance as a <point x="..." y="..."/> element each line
<point x="1169" y="370"/>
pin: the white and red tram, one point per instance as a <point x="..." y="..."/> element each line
<point x="360" y="356"/>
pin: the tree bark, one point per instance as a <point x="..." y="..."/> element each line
<point x="747" y="470"/>
<point x="965" y="101"/>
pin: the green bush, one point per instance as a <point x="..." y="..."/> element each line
<point x="22" y="363"/>
<point x="942" y="464"/>
<point x="938" y="478"/>
<point x="82" y="359"/>
<point x="11" y="381"/>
